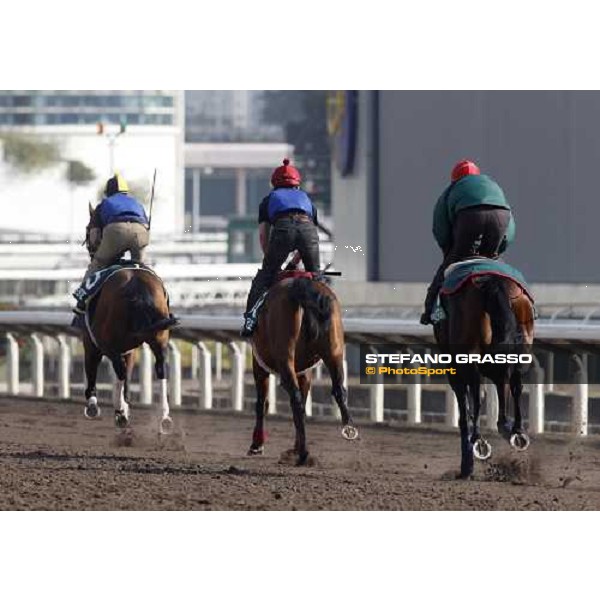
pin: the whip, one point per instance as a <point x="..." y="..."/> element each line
<point x="151" y="200"/>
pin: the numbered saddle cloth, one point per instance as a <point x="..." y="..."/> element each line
<point x="93" y="284"/>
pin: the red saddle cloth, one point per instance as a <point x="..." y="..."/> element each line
<point x="295" y="275"/>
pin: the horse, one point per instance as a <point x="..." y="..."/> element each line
<point x="300" y="324"/>
<point x="487" y="314"/>
<point x="130" y="309"/>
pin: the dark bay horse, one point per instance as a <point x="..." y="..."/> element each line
<point x="488" y="314"/>
<point x="130" y="309"/>
<point x="299" y="325"/>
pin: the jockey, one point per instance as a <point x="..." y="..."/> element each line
<point x="471" y="219"/>
<point x="119" y="224"/>
<point x="287" y="221"/>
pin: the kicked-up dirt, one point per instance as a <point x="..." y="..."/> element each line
<point x="52" y="458"/>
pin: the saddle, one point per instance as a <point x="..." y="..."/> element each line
<point x="460" y="273"/>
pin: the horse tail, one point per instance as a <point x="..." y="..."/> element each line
<point x="317" y="306"/>
<point x="505" y="329"/>
<point x="145" y="317"/>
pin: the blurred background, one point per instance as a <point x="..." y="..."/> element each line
<point x="373" y="162"/>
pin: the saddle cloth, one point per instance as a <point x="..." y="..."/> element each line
<point x="295" y="274"/>
<point x="94" y="283"/>
<point x="460" y="273"/>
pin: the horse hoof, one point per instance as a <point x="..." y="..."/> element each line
<point x="121" y="421"/>
<point x="349" y="432"/>
<point x="302" y="459"/>
<point x="91" y="411"/>
<point x="256" y="451"/>
<point x="166" y="426"/>
<point x="519" y="441"/>
<point x="482" y="449"/>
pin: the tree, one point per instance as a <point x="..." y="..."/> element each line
<point x="79" y="173"/>
<point x="29" y="155"/>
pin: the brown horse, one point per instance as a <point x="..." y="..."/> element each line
<point x="487" y="315"/>
<point x="300" y="324"/>
<point x="130" y="309"/>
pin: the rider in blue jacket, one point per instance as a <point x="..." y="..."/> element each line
<point x="118" y="224"/>
<point x="287" y="222"/>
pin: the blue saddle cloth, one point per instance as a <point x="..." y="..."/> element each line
<point x="463" y="272"/>
<point x="93" y="284"/>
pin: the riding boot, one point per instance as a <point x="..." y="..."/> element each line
<point x="257" y="289"/>
<point x="432" y="293"/>
<point x="78" y="321"/>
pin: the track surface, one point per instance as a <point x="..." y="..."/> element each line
<point x="52" y="458"/>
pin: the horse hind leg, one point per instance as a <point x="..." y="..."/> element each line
<point x="340" y="395"/>
<point x="165" y="422"/>
<point x="466" y="448"/>
<point x="261" y="381"/>
<point x="120" y="389"/>
<point x="92" y="359"/>
<point x="482" y="449"/>
<point x="289" y="381"/>
<point x="519" y="440"/>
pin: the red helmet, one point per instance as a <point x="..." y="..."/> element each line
<point x="286" y="176"/>
<point x="464" y="168"/>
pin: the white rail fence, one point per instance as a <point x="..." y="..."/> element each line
<point x="207" y="366"/>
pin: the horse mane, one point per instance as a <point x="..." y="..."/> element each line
<point x="316" y="304"/>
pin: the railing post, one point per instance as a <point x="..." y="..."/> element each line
<point x="451" y="418"/>
<point x="550" y="371"/>
<point x="413" y="403"/>
<point x="205" y="376"/>
<point x="64" y="367"/>
<point x="218" y="361"/>
<point x="237" y="377"/>
<point x="319" y="371"/>
<point x="413" y="400"/>
<point x="536" y="400"/>
<point x="194" y="361"/>
<point x="37" y="366"/>
<point x="308" y="404"/>
<point x="272" y="397"/>
<point x="377" y="402"/>
<point x="175" y="373"/>
<point x="12" y="365"/>
<point x="491" y="406"/>
<point x="580" y="398"/>
<point x="145" y="370"/>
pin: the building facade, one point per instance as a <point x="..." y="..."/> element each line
<point x="141" y="130"/>
<point x="542" y="147"/>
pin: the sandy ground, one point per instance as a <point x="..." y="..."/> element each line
<point x="53" y="458"/>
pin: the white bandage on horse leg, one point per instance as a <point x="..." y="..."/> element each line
<point x="118" y="396"/>
<point x="164" y="398"/>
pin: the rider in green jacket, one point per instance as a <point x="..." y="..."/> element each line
<point x="471" y="219"/>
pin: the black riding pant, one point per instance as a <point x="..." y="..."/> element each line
<point x="477" y="232"/>
<point x="289" y="233"/>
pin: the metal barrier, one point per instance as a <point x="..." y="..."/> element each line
<point x="197" y="329"/>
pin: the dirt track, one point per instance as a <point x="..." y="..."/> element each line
<point x="52" y="458"/>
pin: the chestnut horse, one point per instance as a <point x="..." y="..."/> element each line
<point x="488" y="314"/>
<point x="130" y="309"/>
<point x="299" y="325"/>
